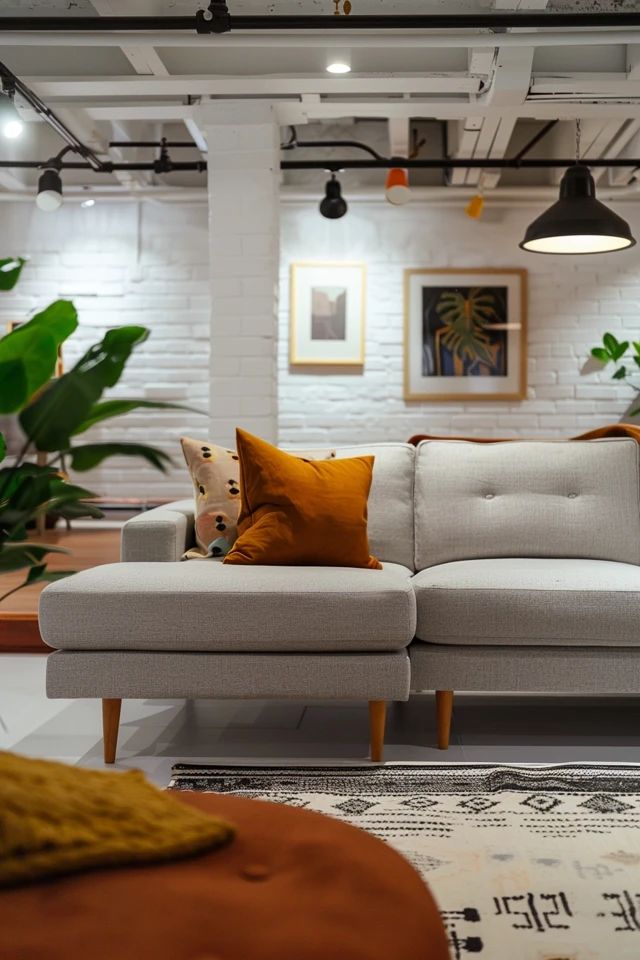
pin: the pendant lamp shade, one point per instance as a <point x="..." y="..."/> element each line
<point x="396" y="188"/>
<point x="577" y="223"/>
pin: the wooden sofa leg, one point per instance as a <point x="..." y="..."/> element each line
<point x="377" y="717"/>
<point x="110" y="724"/>
<point x="444" y="710"/>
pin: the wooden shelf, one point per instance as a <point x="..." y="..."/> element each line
<point x="19" y="631"/>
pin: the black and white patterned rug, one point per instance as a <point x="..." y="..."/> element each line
<point x="526" y="862"/>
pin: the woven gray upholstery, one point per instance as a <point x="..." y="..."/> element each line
<point x="531" y="601"/>
<point x="343" y="676"/>
<point x="207" y="605"/>
<point x="527" y="499"/>
<point x="588" y="670"/>
<point x="162" y="534"/>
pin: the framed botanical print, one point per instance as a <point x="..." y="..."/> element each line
<point x="327" y="313"/>
<point x="465" y="334"/>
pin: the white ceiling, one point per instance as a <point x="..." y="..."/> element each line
<point x="490" y="100"/>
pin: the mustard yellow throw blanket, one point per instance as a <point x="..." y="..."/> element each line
<point x="57" y="819"/>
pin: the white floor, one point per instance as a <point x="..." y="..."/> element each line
<point x="156" y="734"/>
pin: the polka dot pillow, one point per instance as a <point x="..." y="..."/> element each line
<point x="215" y="474"/>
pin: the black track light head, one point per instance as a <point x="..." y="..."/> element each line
<point x="333" y="205"/>
<point x="49" y="196"/>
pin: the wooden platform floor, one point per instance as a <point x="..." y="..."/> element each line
<point x="19" y="612"/>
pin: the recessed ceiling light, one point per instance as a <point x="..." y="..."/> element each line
<point x="338" y="61"/>
<point x="89" y="202"/>
<point x="338" y="67"/>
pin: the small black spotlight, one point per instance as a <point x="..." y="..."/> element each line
<point x="333" y="205"/>
<point x="49" y="196"/>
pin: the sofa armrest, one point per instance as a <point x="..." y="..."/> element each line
<point x="162" y="534"/>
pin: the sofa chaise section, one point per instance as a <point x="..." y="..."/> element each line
<point x="153" y="626"/>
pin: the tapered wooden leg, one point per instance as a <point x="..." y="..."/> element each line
<point x="444" y="709"/>
<point x="377" y="717"/>
<point x="110" y="723"/>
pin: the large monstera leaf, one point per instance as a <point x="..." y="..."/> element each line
<point x="65" y="403"/>
<point x="28" y="354"/>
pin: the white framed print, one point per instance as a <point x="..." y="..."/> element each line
<point x="465" y="334"/>
<point x="327" y="313"/>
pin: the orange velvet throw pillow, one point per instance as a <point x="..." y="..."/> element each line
<point x="301" y="512"/>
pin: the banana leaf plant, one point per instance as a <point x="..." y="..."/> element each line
<point x="53" y="414"/>
<point x="615" y="351"/>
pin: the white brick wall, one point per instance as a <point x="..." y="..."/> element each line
<point x="572" y="301"/>
<point x="126" y="263"/>
<point x="148" y="264"/>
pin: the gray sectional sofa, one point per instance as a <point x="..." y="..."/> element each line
<point x="510" y="566"/>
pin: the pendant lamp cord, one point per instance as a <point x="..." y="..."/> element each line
<point x="578" y="132"/>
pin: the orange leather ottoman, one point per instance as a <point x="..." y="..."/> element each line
<point x="293" y="885"/>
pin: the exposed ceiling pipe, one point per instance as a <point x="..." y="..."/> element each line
<point x="355" y="39"/>
<point x="383" y="163"/>
<point x="503" y="20"/>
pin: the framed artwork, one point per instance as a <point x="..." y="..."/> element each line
<point x="327" y="313"/>
<point x="465" y="334"/>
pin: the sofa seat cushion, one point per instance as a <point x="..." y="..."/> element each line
<point x="207" y="605"/>
<point x="530" y="601"/>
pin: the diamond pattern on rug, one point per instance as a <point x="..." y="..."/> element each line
<point x="354" y="806"/>
<point x="541" y="802"/>
<point x="604" y="803"/>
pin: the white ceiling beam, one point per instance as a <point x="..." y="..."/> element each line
<point x="197" y="135"/>
<point x="509" y="78"/>
<point x="233" y="86"/>
<point x="505" y="95"/>
<point x="463" y="137"/>
<point x="301" y="110"/>
<point x="585" y="85"/>
<point x="625" y="144"/>
<point x="144" y="59"/>
<point x="388" y="40"/>
<point x="399" y="137"/>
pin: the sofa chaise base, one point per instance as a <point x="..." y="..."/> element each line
<point x="115" y="675"/>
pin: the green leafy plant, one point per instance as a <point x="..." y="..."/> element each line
<point x="615" y="351"/>
<point x="53" y="414"/>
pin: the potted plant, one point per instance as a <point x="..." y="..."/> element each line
<point x="53" y="415"/>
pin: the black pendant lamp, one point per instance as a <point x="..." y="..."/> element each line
<point x="578" y="223"/>
<point x="333" y="205"/>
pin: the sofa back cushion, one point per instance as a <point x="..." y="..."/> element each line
<point x="390" y="499"/>
<point x="527" y="499"/>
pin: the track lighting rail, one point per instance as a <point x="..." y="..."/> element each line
<point x="9" y="81"/>
<point x="494" y="21"/>
<point x="441" y="163"/>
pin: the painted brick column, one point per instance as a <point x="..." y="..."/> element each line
<point x="244" y="220"/>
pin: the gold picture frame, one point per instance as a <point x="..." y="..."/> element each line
<point x="421" y="337"/>
<point x="336" y="338"/>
